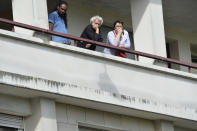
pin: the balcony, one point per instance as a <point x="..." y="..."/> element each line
<point x="31" y="68"/>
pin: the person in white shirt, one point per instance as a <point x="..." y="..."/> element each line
<point x="118" y="37"/>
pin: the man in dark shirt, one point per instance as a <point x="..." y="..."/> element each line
<point x="92" y="32"/>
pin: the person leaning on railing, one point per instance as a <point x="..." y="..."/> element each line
<point x="58" y="22"/>
<point x="118" y="37"/>
<point x="92" y="32"/>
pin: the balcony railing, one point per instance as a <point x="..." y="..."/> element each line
<point x="136" y="53"/>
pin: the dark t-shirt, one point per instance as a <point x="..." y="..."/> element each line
<point x="90" y="33"/>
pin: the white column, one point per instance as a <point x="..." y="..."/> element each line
<point x="43" y="117"/>
<point x="184" y="53"/>
<point x="161" y="125"/>
<point x="40" y="13"/>
<point x="148" y="27"/>
<point x="32" y="12"/>
<point x="23" y="12"/>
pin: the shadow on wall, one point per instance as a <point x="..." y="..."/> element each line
<point x="106" y="84"/>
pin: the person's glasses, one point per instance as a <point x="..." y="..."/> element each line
<point x="118" y="26"/>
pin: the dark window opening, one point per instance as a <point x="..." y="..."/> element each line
<point x="168" y="54"/>
<point x="83" y="128"/>
<point x="6" y="12"/>
<point x="7" y="129"/>
<point x="194" y="59"/>
<point x="193" y="48"/>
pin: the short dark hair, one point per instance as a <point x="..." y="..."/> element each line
<point x="65" y="15"/>
<point x="118" y="21"/>
<point x="62" y="2"/>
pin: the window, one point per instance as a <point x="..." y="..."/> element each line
<point x="193" y="49"/>
<point x="82" y="128"/>
<point x="7" y="129"/>
<point x="98" y="127"/>
<point x="11" y="123"/>
<point x="194" y="59"/>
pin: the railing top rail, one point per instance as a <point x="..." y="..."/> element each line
<point x="138" y="53"/>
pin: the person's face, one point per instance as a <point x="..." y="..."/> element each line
<point x="118" y="26"/>
<point x="62" y="9"/>
<point x="96" y="24"/>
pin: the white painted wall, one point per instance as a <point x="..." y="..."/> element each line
<point x="78" y="19"/>
<point x="184" y="53"/>
<point x="71" y="117"/>
<point x="148" y="27"/>
<point x="43" y="116"/>
<point x="135" y="85"/>
<point x="182" y="129"/>
<point x="50" y="63"/>
<point x="32" y="12"/>
<point x="14" y="105"/>
<point x="65" y="117"/>
<point x="162" y="125"/>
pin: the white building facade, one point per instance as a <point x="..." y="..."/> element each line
<point x="49" y="86"/>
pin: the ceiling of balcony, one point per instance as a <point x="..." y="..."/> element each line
<point x="177" y="13"/>
<point x="181" y="13"/>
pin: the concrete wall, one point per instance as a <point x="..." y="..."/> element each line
<point x="116" y="81"/>
<point x="148" y="28"/>
<point x="14" y="105"/>
<point x="43" y="116"/>
<point x="78" y="14"/>
<point x="141" y="86"/>
<point x="182" y="129"/>
<point x="69" y="118"/>
<point x="78" y="19"/>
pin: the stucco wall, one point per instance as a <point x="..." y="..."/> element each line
<point x="182" y="129"/>
<point x="14" y="105"/>
<point x="71" y="117"/>
<point x="115" y="80"/>
<point x="80" y="13"/>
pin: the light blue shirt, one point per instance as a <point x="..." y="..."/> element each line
<point x="125" y="40"/>
<point x="58" y="26"/>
